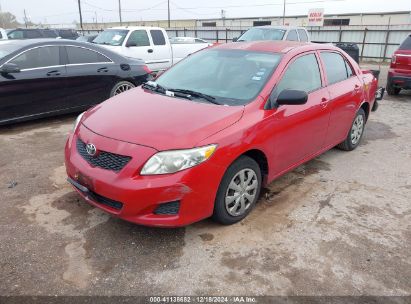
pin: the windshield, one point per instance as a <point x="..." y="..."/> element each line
<point x="232" y="77"/>
<point x="7" y="49"/>
<point x="111" y="37"/>
<point x="255" y="34"/>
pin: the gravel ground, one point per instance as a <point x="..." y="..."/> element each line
<point x="338" y="225"/>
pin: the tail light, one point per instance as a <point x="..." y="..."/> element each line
<point x="147" y="69"/>
<point x="393" y="59"/>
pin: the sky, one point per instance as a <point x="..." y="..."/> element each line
<point x="66" y="11"/>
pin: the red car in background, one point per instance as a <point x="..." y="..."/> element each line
<point x="204" y="138"/>
<point x="399" y="74"/>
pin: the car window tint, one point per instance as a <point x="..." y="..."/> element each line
<point x="139" y="38"/>
<point x="78" y="55"/>
<point x="49" y="33"/>
<point x="335" y="67"/>
<point x="303" y="35"/>
<point x="292" y="35"/>
<point x="158" y="37"/>
<point x="406" y="45"/>
<point x="303" y="74"/>
<point x="350" y="71"/>
<point x="33" y="34"/>
<point x="16" y="35"/>
<point x="38" y="58"/>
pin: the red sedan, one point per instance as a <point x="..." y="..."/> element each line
<point x="203" y="138"/>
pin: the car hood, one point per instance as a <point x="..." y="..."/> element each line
<point x="158" y="121"/>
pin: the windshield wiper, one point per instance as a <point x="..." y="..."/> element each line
<point x="154" y="86"/>
<point x="209" y="98"/>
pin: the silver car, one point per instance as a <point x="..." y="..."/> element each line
<point x="269" y="32"/>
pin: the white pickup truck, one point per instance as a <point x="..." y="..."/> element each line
<point x="150" y="44"/>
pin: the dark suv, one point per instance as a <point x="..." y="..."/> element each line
<point x="399" y="75"/>
<point x="21" y="33"/>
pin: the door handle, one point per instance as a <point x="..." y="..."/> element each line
<point x="150" y="51"/>
<point x="105" y="70"/>
<point x="324" y="102"/>
<point x="53" y="73"/>
<point x="356" y="88"/>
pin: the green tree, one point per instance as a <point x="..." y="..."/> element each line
<point x="8" y="20"/>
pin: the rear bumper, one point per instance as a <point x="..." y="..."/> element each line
<point x="399" y="80"/>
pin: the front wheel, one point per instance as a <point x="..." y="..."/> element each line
<point x="238" y="191"/>
<point x="356" y="132"/>
<point x="121" y="87"/>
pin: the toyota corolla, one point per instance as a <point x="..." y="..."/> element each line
<point x="203" y="138"/>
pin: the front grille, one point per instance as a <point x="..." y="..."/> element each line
<point x="105" y="201"/>
<point x="168" y="208"/>
<point x="104" y="160"/>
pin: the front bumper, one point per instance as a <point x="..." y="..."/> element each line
<point x="129" y="196"/>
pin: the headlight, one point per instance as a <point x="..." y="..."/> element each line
<point x="78" y="119"/>
<point x="177" y="160"/>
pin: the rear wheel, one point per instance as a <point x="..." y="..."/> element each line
<point x="391" y="90"/>
<point x="356" y="132"/>
<point x="238" y="191"/>
<point x="121" y="87"/>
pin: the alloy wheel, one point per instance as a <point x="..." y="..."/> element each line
<point x="122" y="88"/>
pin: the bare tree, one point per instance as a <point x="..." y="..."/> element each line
<point x="8" y="20"/>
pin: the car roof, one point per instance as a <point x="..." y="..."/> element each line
<point x="135" y="28"/>
<point x="275" y="46"/>
<point x="281" y="27"/>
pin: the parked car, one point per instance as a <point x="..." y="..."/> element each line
<point x="86" y="38"/>
<point x="199" y="142"/>
<point x="23" y="33"/>
<point x="399" y="74"/>
<point x="46" y="77"/>
<point x="150" y="44"/>
<point x="3" y="34"/>
<point x="269" y="32"/>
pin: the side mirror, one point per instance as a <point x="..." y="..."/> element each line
<point x="130" y="43"/>
<point x="9" y="68"/>
<point x="159" y="73"/>
<point x="292" y="97"/>
<point x="235" y="39"/>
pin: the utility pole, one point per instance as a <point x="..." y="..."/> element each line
<point x="25" y="18"/>
<point x="168" y="5"/>
<point x="119" y="12"/>
<point x="95" y="13"/>
<point x="284" y="13"/>
<point x="81" y="17"/>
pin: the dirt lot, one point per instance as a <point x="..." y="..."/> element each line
<point x="339" y="225"/>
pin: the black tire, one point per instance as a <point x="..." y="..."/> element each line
<point x="348" y="144"/>
<point x="118" y="85"/>
<point x="221" y="213"/>
<point x="392" y="90"/>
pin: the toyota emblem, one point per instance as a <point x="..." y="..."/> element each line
<point x="91" y="149"/>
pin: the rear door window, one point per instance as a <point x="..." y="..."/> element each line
<point x="158" y="37"/>
<point x="40" y="57"/>
<point x="303" y="35"/>
<point x="139" y="38"/>
<point x="31" y="34"/>
<point x="335" y="67"/>
<point x="303" y="74"/>
<point x="292" y="36"/>
<point x="78" y="55"/>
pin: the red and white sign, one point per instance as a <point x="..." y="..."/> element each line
<point x="316" y="17"/>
